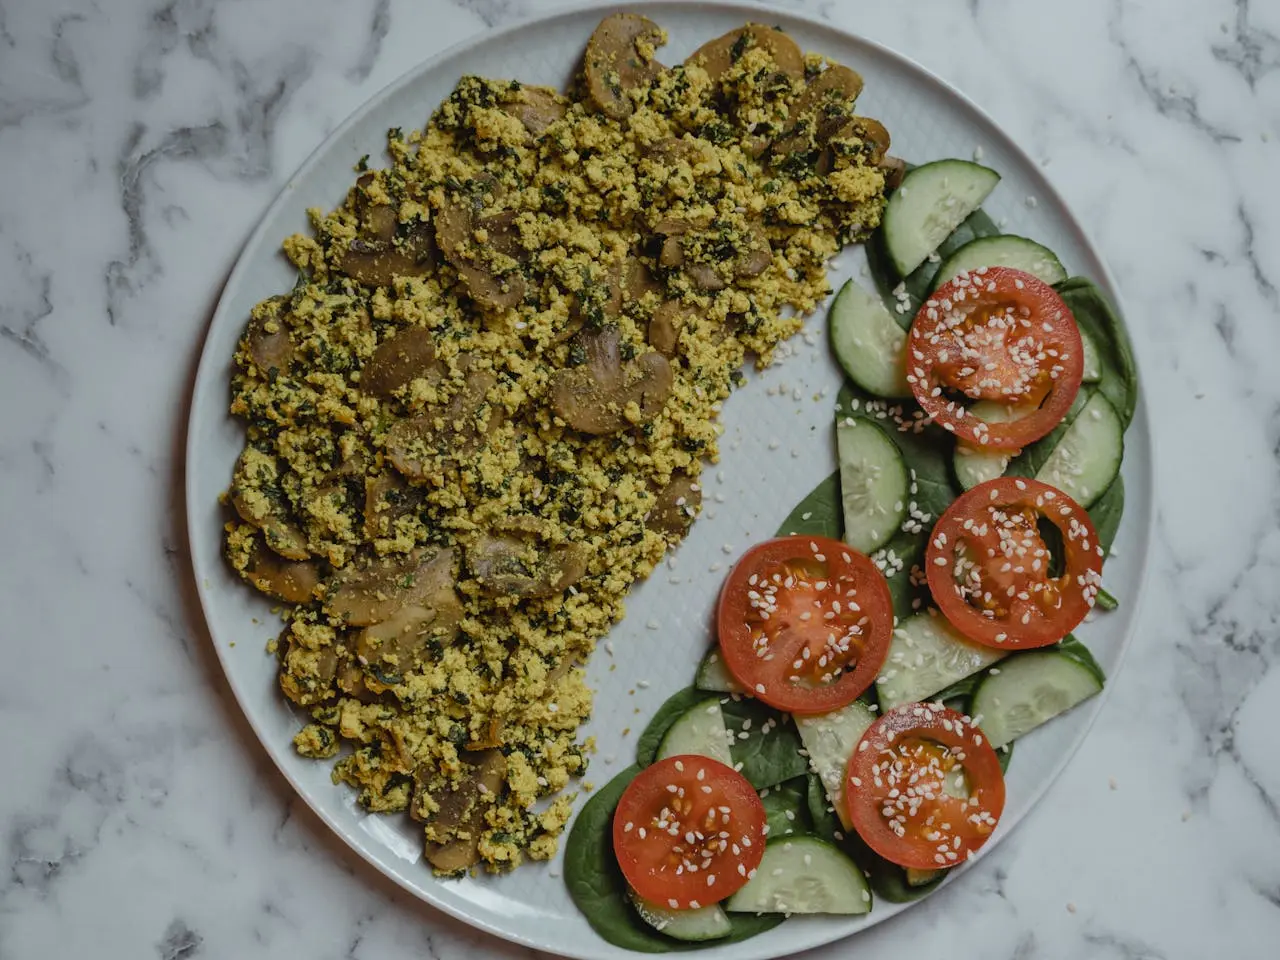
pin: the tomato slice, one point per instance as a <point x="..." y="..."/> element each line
<point x="805" y="623"/>
<point x="924" y="788"/>
<point x="990" y="571"/>
<point x="688" y="832"/>
<point x="995" y="334"/>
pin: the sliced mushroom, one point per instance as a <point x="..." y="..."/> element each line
<point x="384" y="249"/>
<point x="393" y="647"/>
<point x="266" y="338"/>
<point x="512" y="566"/>
<point x="638" y="280"/>
<point x="593" y="397"/>
<point x="387" y="498"/>
<point x="756" y="258"/>
<point x="289" y="580"/>
<point x="895" y="168"/>
<point x="256" y="495"/>
<point x="836" y="86"/>
<point x="350" y="680"/>
<point x="461" y="813"/>
<point x="536" y="108"/>
<point x="491" y="283"/>
<point x="619" y="58"/>
<point x="665" y="325"/>
<point x="407" y="356"/>
<point x="718" y="55"/>
<point x="306" y="676"/>
<point x="412" y="445"/>
<point x="373" y="591"/>
<point x="598" y="303"/>
<point x="674" y="510"/>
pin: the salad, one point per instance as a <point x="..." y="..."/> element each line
<point x="846" y="737"/>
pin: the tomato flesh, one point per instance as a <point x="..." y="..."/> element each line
<point x="995" y="334"/>
<point x="688" y="832"/>
<point x="990" y="571"/>
<point x="924" y="789"/>
<point x="805" y="623"/>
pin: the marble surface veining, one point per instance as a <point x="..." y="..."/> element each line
<point x="140" y="140"/>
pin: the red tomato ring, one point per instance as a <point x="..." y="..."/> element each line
<point x="989" y="568"/>
<point x="688" y="832"/>
<point x="902" y="781"/>
<point x="998" y="334"/>
<point x="805" y="623"/>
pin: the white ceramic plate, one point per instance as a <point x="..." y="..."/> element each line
<point x="776" y="446"/>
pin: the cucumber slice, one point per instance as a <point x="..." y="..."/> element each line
<point x="704" y="923"/>
<point x="1087" y="459"/>
<point x="868" y="342"/>
<point x="1092" y="358"/>
<point x="1030" y="689"/>
<point x="928" y="655"/>
<point x="830" y="739"/>
<point x="933" y="200"/>
<point x="873" y="484"/>
<point x="1003" y="251"/>
<point x="975" y="465"/>
<point x="714" y="676"/>
<point x="700" y="730"/>
<point x="803" y="875"/>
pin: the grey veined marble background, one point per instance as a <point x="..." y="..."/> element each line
<point x="140" y="140"/>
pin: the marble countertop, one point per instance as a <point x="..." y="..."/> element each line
<point x="142" y="139"/>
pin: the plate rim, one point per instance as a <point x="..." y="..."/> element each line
<point x="201" y="391"/>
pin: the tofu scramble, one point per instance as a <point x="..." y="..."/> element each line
<point x="481" y="413"/>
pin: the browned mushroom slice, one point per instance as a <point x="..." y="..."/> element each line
<point x="618" y="59"/>
<point x="372" y="591"/>
<point x="256" y="496"/>
<point x="673" y="511"/>
<point x="405" y="357"/>
<point x="718" y="55"/>
<point x="387" y="498"/>
<point x="536" y="108"/>
<point x="266" y="338"/>
<point x="665" y="325"/>
<point x="757" y="257"/>
<point x="837" y="86"/>
<point x="895" y="168"/>
<point x="492" y="284"/>
<point x="857" y="135"/>
<point x="350" y="681"/>
<point x="289" y="580"/>
<point x="461" y="813"/>
<point x="384" y="249"/>
<point x="413" y="445"/>
<point x="397" y="645"/>
<point x="638" y="280"/>
<point x="593" y="397"/>
<point x="512" y="566"/>
<point x="306" y="675"/>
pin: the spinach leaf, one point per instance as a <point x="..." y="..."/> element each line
<point x="599" y="890"/>
<point x="920" y="281"/>
<point x="825" y="822"/>
<point x="767" y="758"/>
<point x="818" y="514"/>
<point x="666" y="716"/>
<point x="1106" y="513"/>
<point x="1098" y="319"/>
<point x="786" y="808"/>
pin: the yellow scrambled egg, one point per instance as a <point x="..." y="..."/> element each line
<point x="480" y="415"/>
